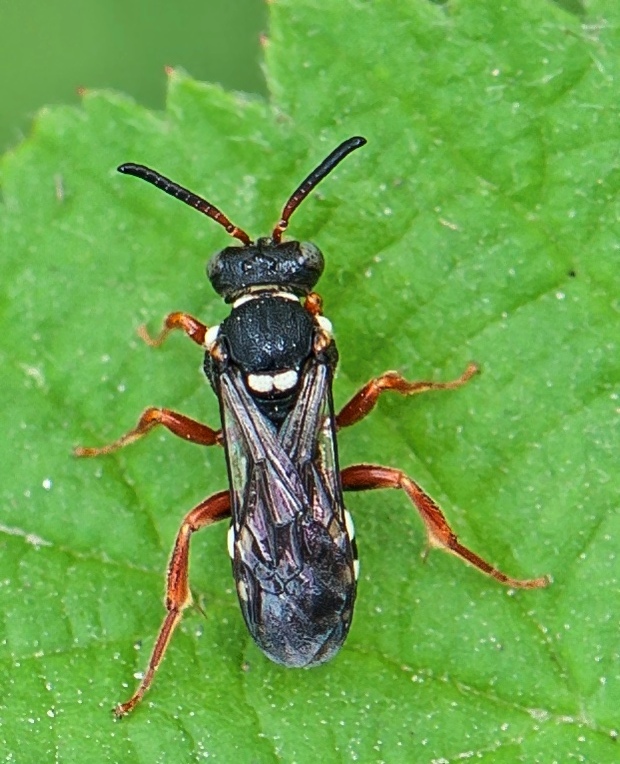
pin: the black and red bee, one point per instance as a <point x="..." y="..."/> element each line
<point x="271" y="364"/>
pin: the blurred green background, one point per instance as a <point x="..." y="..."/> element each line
<point x="49" y="50"/>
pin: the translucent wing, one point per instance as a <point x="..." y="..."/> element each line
<point x="293" y="559"/>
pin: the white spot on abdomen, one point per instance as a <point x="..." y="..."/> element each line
<point x="242" y="590"/>
<point x="348" y="521"/>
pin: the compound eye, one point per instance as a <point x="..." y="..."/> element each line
<point x="311" y="257"/>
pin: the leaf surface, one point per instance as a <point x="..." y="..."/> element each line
<point x="480" y="222"/>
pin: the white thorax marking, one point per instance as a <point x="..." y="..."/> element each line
<point x="272" y="292"/>
<point x="326" y="326"/>
<point x="267" y="383"/>
<point x="211" y="336"/>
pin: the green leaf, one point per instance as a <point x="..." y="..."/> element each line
<point x="480" y="222"/>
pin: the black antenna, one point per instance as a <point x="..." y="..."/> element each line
<point x="193" y="200"/>
<point x="315" y="177"/>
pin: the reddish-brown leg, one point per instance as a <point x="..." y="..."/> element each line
<point x="365" y="400"/>
<point x="178" y="424"/>
<point x="178" y="596"/>
<point x="364" y="477"/>
<point x="314" y="304"/>
<point x="194" y="329"/>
